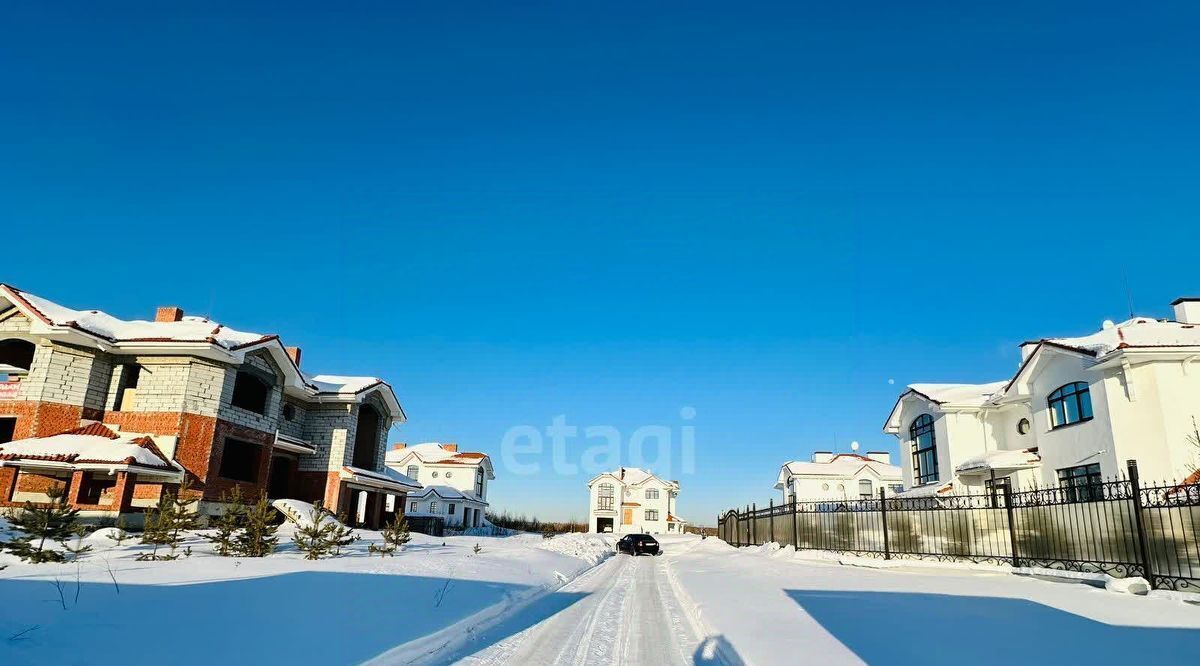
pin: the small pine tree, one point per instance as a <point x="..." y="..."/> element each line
<point x="229" y="522"/>
<point x="478" y="549"/>
<point x="166" y="524"/>
<point x="315" y="539"/>
<point x="78" y="548"/>
<point x="55" y="522"/>
<point x="257" y="536"/>
<point x="122" y="534"/>
<point x="394" y="536"/>
<point x="343" y="535"/>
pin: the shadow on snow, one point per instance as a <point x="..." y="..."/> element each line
<point x="540" y="609"/>
<point x="929" y="629"/>
<point x="296" y="618"/>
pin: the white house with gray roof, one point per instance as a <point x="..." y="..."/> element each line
<point x="1075" y="411"/>
<point x="629" y="500"/>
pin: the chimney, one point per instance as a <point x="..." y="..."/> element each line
<point x="168" y="313"/>
<point x="398" y="447"/>
<point x="294" y="354"/>
<point x="451" y="447"/>
<point x="822" y="456"/>
<point x="880" y="456"/>
<point x="1187" y="310"/>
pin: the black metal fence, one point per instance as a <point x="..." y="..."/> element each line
<point x="1119" y="527"/>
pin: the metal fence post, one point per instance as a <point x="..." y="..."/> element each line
<point x="1135" y="489"/>
<point x="771" y="520"/>
<point x="887" y="551"/>
<point x="795" y="524"/>
<point x="1012" y="525"/>
<point x="754" y="524"/>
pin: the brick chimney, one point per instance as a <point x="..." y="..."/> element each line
<point x="168" y="313"/>
<point x="398" y="446"/>
<point x="294" y="354"/>
<point x="451" y="447"/>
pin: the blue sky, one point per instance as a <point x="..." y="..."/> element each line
<point x="613" y="211"/>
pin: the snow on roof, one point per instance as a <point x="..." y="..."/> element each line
<point x="445" y="492"/>
<point x="1136" y="332"/>
<point x="436" y="453"/>
<point x="1000" y="460"/>
<point x="927" y="490"/>
<point x="959" y="394"/>
<point x="842" y="464"/>
<point x="388" y="479"/>
<point x="104" y="325"/>
<point x="341" y="384"/>
<point x="90" y="444"/>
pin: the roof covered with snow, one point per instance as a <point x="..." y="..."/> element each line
<point x="91" y="444"/>
<point x="388" y="479"/>
<point x="438" y="453"/>
<point x="973" y="395"/>
<point x="1135" y="333"/>
<point x="105" y="329"/>
<point x="632" y="476"/>
<point x="1000" y="461"/>
<point x="844" y="465"/>
<point x="445" y="492"/>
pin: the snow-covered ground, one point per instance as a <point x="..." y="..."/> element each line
<point x="110" y="608"/>
<point x="524" y="600"/>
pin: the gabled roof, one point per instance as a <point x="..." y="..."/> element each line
<point x="842" y="465"/>
<point x="438" y="454"/>
<point x="634" y="476"/>
<point x="200" y="335"/>
<point x="966" y="396"/>
<point x="93" y="444"/>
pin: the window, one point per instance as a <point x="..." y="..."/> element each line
<point x="450" y="510"/>
<point x="412" y="506"/>
<point x="433" y="507"/>
<point x="824" y="486"/>
<point x="289" y="412"/>
<point x="865" y="490"/>
<point x="924" y="450"/>
<point x="652" y="493"/>
<point x="448" y="474"/>
<point x="1082" y="483"/>
<point x="250" y="392"/>
<point x="8" y="427"/>
<point x="479" y="483"/>
<point x="239" y="460"/>
<point x="413" y="471"/>
<point x="127" y="383"/>
<point x="651" y="514"/>
<point x="434" y="475"/>
<point x="896" y="488"/>
<point x="366" y="437"/>
<point x="604" y="498"/>
<point x="1070" y="404"/>
<point x="16" y="357"/>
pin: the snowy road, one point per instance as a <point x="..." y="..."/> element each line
<point x="622" y="612"/>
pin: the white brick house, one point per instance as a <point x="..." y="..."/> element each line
<point x="455" y="483"/>
<point x="1075" y="411"/>
<point x="632" y="501"/>
<point x="839" y="477"/>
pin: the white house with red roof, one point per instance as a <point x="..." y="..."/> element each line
<point x="630" y="500"/>
<point x="831" y="476"/>
<point x="79" y="389"/>
<point x="1075" y="411"/>
<point x="454" y="484"/>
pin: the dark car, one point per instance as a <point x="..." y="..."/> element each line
<point x="638" y="544"/>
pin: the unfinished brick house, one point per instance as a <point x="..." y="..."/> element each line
<point x="111" y="411"/>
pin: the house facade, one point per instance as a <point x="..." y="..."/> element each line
<point x="839" y="477"/>
<point x="632" y="501"/>
<point x="220" y="407"/>
<point x="454" y="483"/>
<point x="1075" y="411"/>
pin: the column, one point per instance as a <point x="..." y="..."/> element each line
<point x="8" y="483"/>
<point x="78" y="478"/>
<point x="122" y="500"/>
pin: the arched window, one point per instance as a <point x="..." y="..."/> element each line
<point x="604" y="498"/>
<point x="413" y="471"/>
<point x="1070" y="404"/>
<point x="16" y="356"/>
<point x="366" y="437"/>
<point x="924" y="449"/>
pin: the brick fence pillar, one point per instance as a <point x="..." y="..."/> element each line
<point x="8" y="483"/>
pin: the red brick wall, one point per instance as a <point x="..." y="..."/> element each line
<point x="29" y="482"/>
<point x="214" y="485"/>
<point x="36" y="419"/>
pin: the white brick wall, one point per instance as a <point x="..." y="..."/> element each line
<point x="17" y="323"/>
<point x="268" y="422"/>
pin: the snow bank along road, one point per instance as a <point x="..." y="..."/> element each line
<point x="622" y="612"/>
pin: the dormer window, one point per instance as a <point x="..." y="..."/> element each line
<point x="1070" y="404"/>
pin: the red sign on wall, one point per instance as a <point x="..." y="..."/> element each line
<point x="9" y="390"/>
